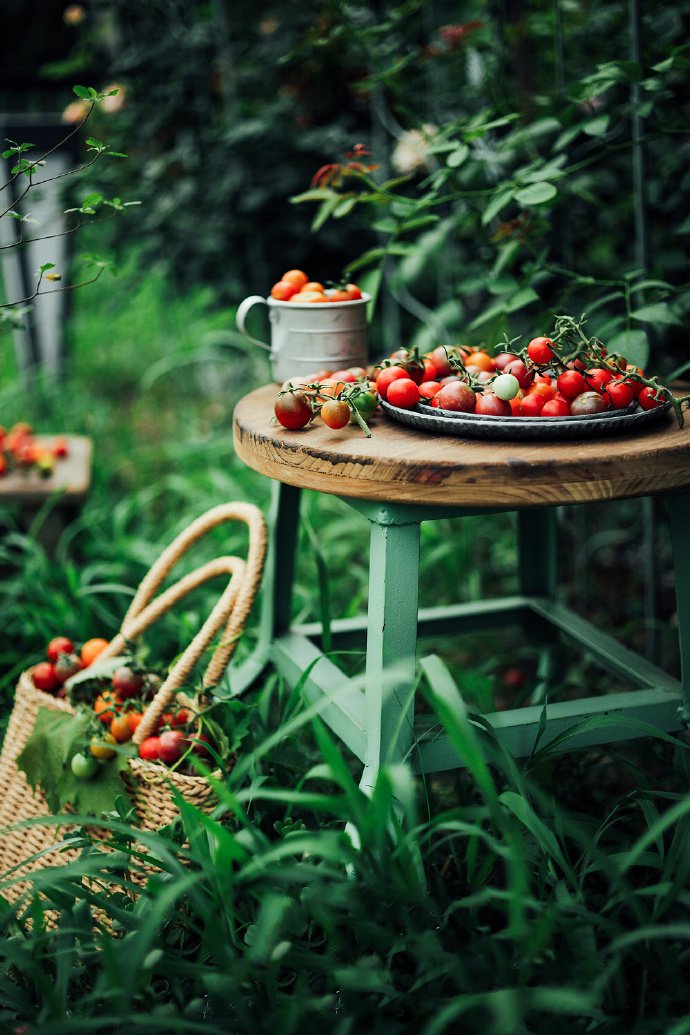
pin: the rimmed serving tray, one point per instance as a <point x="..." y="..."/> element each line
<point x="532" y="429"/>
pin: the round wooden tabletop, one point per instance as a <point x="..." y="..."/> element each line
<point x="401" y="465"/>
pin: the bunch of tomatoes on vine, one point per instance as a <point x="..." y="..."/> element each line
<point x="115" y="702"/>
<point x="565" y="374"/>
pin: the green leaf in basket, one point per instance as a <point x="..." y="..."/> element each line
<point x="46" y="761"/>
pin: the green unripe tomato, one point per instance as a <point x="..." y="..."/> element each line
<point x="366" y="403"/>
<point x="505" y="386"/>
<point x="83" y="767"/>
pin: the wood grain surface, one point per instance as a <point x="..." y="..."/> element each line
<point x="402" y="465"/>
<point x="71" y="477"/>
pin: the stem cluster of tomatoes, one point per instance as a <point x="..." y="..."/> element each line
<point x="21" y="450"/>
<point x="338" y="397"/>
<point x="117" y="703"/>
<point x="565" y="374"/>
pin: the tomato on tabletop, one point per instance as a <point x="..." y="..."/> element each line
<point x="293" y="410"/>
<point x="387" y="376"/>
<point x="335" y="413"/>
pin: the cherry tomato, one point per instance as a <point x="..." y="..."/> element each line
<point x="620" y="392"/>
<point x="597" y="378"/>
<point x="293" y="410"/>
<point x="347" y="376"/>
<point x="502" y="360"/>
<point x="648" y="400"/>
<point x="490" y="405"/>
<point x="91" y="649"/>
<point x="354" y="292"/>
<point x="556" y="408"/>
<point x="430" y="370"/>
<point x="335" y="413"/>
<point x="106" y="706"/>
<point x="440" y="357"/>
<point x="387" y="376"/>
<point x="134" y="718"/>
<point x="83" y="766"/>
<point x="588" y="402"/>
<point x="532" y="404"/>
<point x="296" y="277"/>
<point x="59" y="645"/>
<point x="171" y="746"/>
<point x="544" y="389"/>
<point x="456" y="396"/>
<point x="518" y="369"/>
<point x="149" y="748"/>
<point x="127" y="682"/>
<point x="45" y="677"/>
<point x="313" y="285"/>
<point x="409" y="362"/>
<point x="571" y="383"/>
<point x="540" y="350"/>
<point x="309" y="296"/>
<point x="505" y="386"/>
<point x="480" y="358"/>
<point x="121" y="729"/>
<point x="365" y="403"/>
<point x="403" y="393"/>
<point x="283" y="290"/>
<point x="428" y="389"/>
<point x="99" y="746"/>
<point x="516" y="405"/>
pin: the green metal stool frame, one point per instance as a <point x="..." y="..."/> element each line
<point x="377" y="722"/>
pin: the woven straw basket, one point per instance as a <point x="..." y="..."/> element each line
<point x="148" y="784"/>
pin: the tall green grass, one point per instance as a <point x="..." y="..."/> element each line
<point x="500" y="912"/>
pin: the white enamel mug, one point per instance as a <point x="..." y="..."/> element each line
<point x="310" y="336"/>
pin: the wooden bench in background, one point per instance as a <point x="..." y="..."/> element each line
<point x="66" y="488"/>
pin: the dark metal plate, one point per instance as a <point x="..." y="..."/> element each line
<point x="530" y="429"/>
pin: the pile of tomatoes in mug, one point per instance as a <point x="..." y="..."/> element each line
<point x="470" y="380"/>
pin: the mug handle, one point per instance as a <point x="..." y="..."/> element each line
<point x="242" y="311"/>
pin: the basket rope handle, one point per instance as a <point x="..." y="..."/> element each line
<point x="229" y="614"/>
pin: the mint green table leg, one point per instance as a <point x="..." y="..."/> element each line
<point x="278" y="578"/>
<point x="679" y="514"/>
<point x="391" y="638"/>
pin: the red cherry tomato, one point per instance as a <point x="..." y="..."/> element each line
<point x="597" y="378"/>
<point x="555" y="408"/>
<point x="571" y="383"/>
<point x="620" y="392"/>
<point x="647" y="399"/>
<point x="171" y="746"/>
<point x="532" y="404"/>
<point x="293" y="410"/>
<point x="403" y="393"/>
<point x="428" y="389"/>
<point x="490" y="405"/>
<point x="540" y="350"/>
<point x="45" y="677"/>
<point x="149" y="748"/>
<point x="518" y="369"/>
<point x="59" y="645"/>
<point x="456" y="396"/>
<point x="387" y="376"/>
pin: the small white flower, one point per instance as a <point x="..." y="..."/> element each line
<point x="411" y="153"/>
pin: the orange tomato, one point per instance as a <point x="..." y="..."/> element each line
<point x="121" y="729"/>
<point x="99" y="746"/>
<point x="283" y="290"/>
<point x="296" y="277"/>
<point x="309" y="296"/>
<point x="313" y="285"/>
<point x="134" y="718"/>
<point x="480" y="359"/>
<point x="91" y="649"/>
